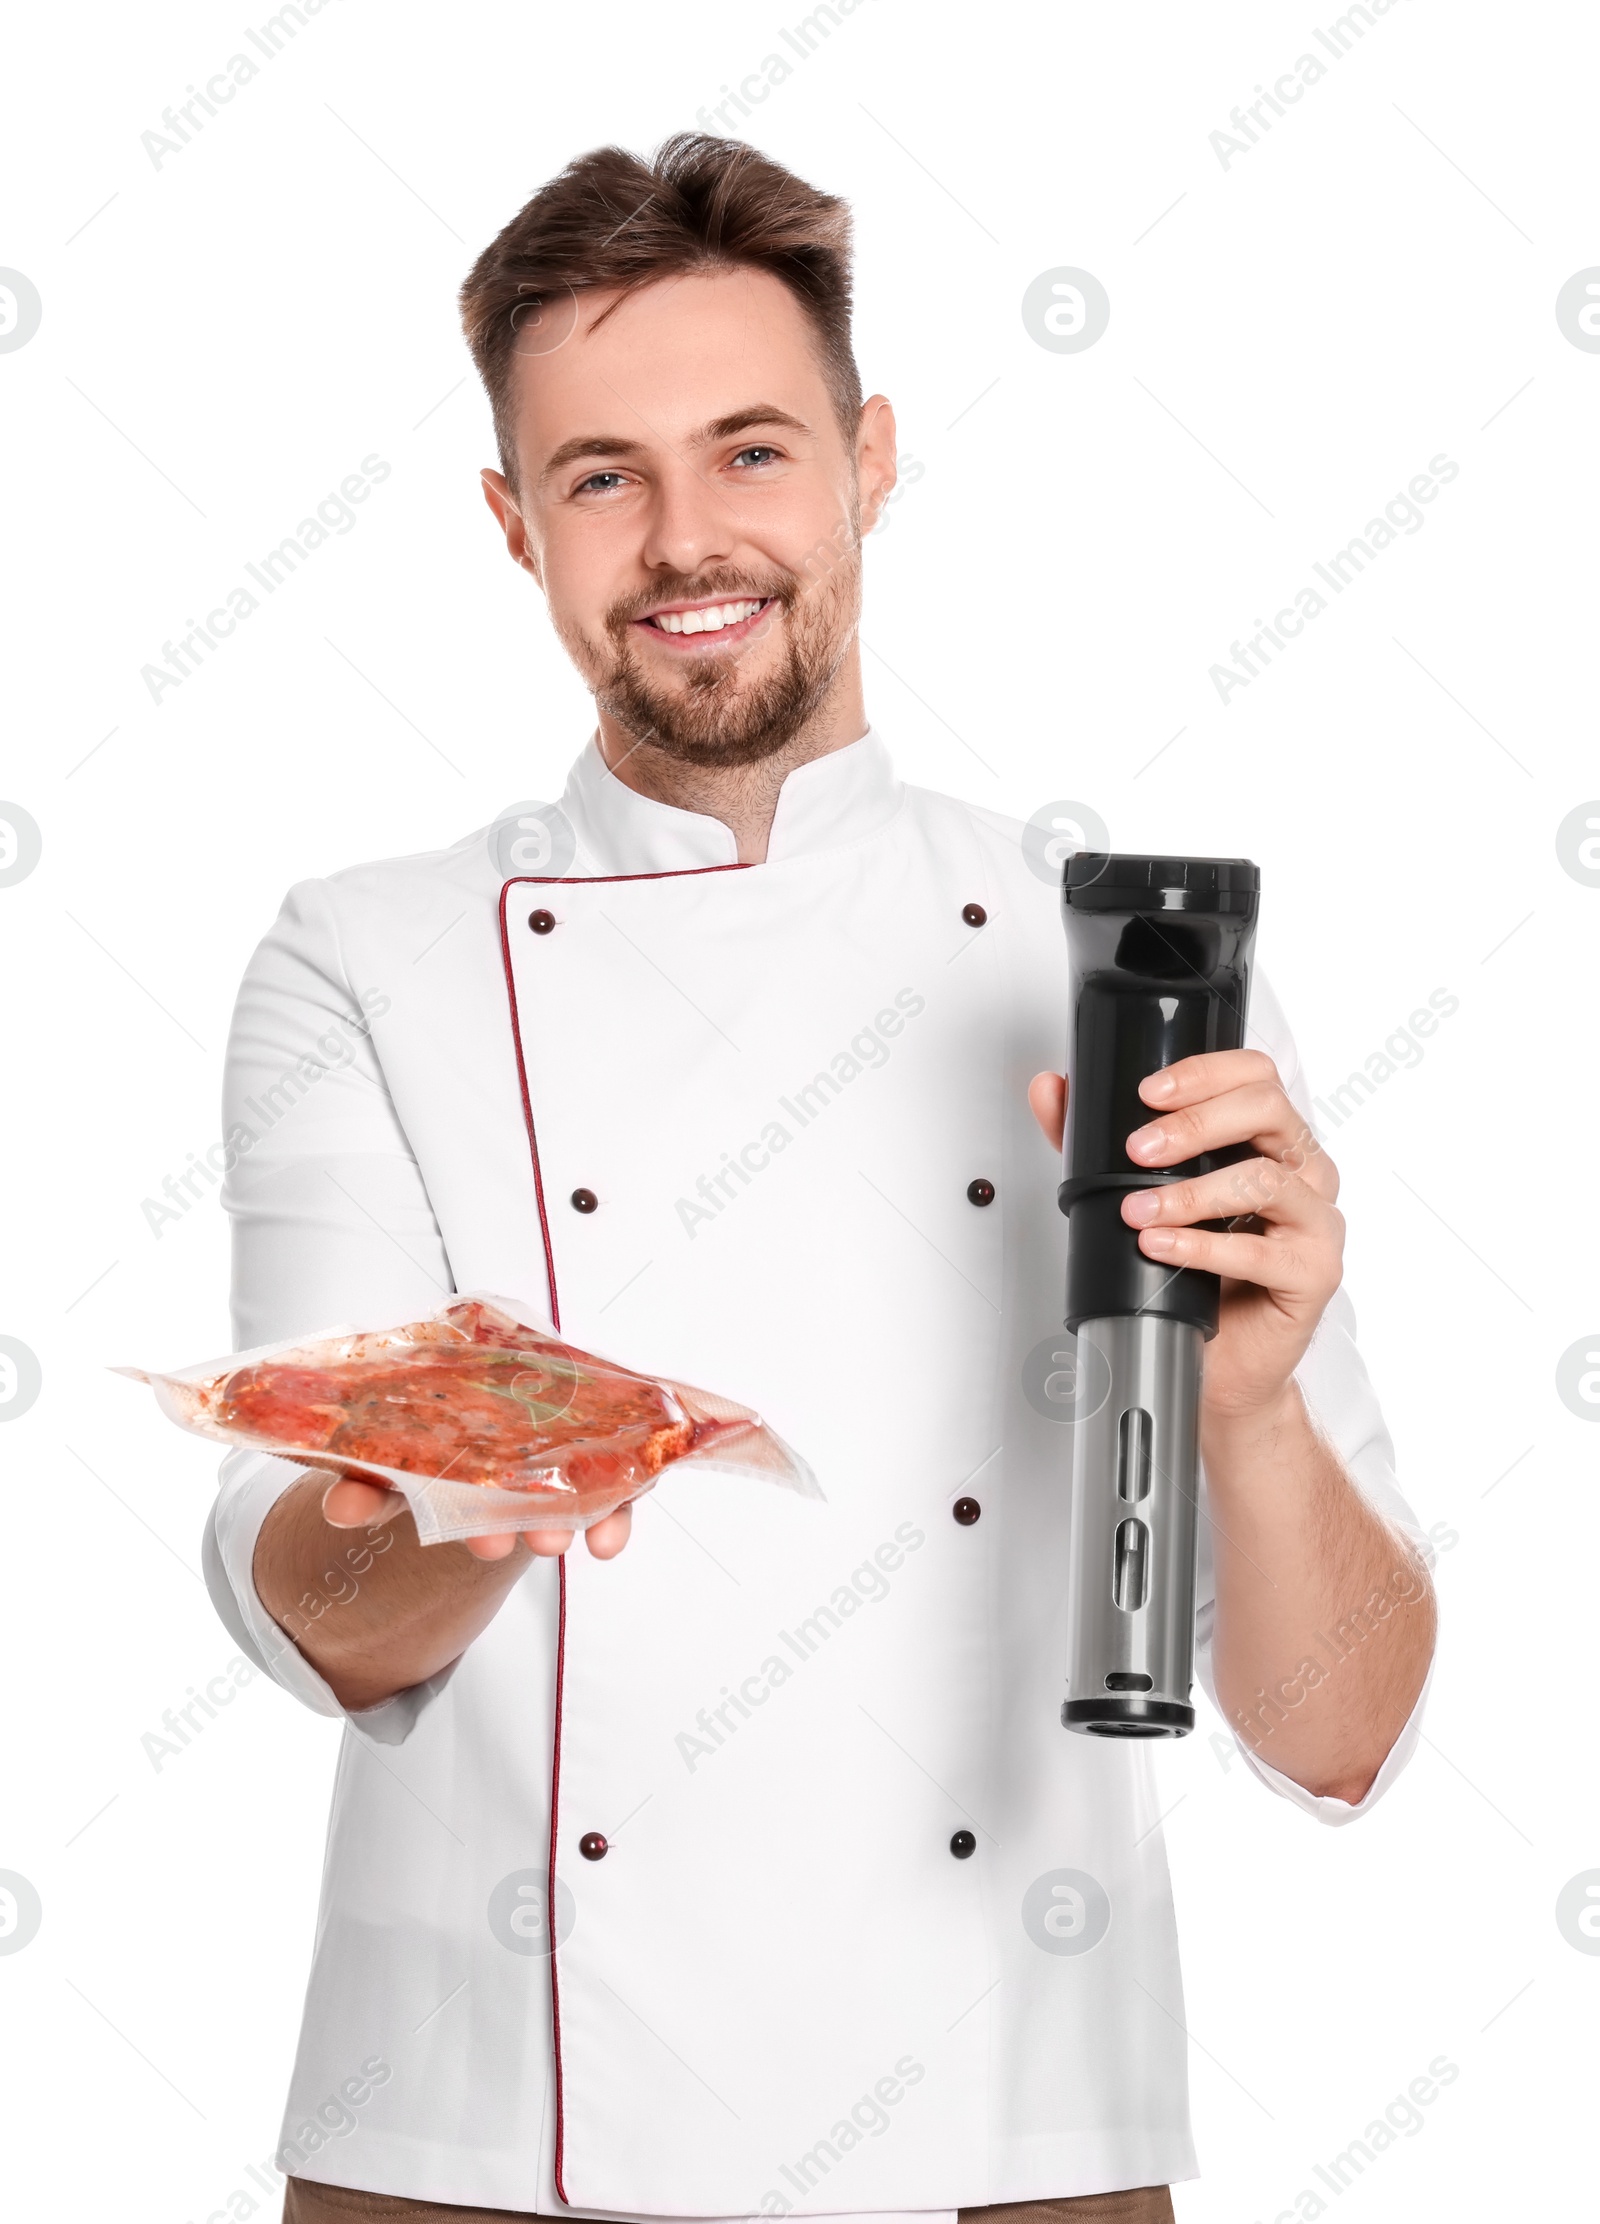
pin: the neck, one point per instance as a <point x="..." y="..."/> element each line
<point x="745" y="796"/>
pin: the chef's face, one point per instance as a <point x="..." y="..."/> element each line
<point x="690" y="503"/>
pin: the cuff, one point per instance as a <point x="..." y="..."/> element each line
<point x="251" y="1484"/>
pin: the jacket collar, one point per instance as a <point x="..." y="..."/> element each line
<point x="840" y="798"/>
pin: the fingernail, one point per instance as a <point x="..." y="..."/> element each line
<point x="1140" y="1206"/>
<point x="1146" y="1141"/>
<point x="1159" y="1239"/>
<point x="1159" y="1086"/>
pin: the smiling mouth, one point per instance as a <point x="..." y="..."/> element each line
<point x="688" y="626"/>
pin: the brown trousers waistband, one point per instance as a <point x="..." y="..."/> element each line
<point x="306" y="2202"/>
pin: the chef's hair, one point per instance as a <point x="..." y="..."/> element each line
<point x="613" y="218"/>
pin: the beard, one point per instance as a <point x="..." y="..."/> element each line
<point x="715" y="714"/>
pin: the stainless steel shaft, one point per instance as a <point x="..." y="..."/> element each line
<point x="1135" y="1482"/>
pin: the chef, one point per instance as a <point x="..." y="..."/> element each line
<point x="734" y="1862"/>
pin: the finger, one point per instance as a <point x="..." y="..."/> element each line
<point x="1047" y="1099"/>
<point x="1259" y="1113"/>
<point x="347" y="1504"/>
<point x="1214" y="1072"/>
<point x="1187" y="1080"/>
<point x="1305" y="1275"/>
<point x="1259" y="1186"/>
<point x="548" y="1544"/>
<point x="607" y="1538"/>
<point x="491" y="1548"/>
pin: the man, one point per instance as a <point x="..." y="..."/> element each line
<point x="744" y="1867"/>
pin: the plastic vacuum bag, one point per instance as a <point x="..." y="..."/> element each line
<point x="482" y="1417"/>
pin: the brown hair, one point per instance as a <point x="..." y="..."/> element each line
<point x="614" y="219"/>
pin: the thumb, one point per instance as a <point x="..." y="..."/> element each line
<point x="1047" y="1099"/>
<point x="348" y="1504"/>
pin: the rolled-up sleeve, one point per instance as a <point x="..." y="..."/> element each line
<point x="1344" y="1408"/>
<point x="331" y="1223"/>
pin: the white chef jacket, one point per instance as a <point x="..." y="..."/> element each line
<point x="778" y="1990"/>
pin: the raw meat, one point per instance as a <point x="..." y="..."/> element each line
<point x="489" y="1402"/>
<point x="486" y="1421"/>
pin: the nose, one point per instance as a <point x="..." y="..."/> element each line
<point x="691" y="524"/>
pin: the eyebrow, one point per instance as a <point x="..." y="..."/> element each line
<point x="719" y="428"/>
<point x="759" y="413"/>
<point x="589" y="444"/>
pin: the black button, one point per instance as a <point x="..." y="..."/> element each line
<point x="975" y="915"/>
<point x="593" y="1846"/>
<point x="966" y="1511"/>
<point x="541" y="921"/>
<point x="584" y="1200"/>
<point x="963" y="1845"/>
<point x="980" y="1192"/>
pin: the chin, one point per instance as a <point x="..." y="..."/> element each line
<point x="720" y="715"/>
<point x="733" y="735"/>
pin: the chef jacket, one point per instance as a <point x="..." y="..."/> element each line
<point x="870" y="1933"/>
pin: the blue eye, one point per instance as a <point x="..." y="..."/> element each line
<point x="766" y="454"/>
<point x="613" y="478"/>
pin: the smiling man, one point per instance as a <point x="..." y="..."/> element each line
<point x="747" y="1870"/>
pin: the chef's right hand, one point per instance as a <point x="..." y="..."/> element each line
<point x="352" y="1505"/>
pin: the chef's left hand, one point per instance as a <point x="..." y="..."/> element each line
<point x="349" y="1504"/>
<point x="1283" y="1259"/>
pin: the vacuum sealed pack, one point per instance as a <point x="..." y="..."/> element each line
<point x="480" y="1416"/>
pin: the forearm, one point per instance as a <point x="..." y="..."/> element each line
<point x="1325" y="1615"/>
<point x="373" y="1610"/>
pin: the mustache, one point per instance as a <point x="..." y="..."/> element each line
<point x="726" y="585"/>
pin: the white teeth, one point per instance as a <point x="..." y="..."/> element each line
<point x="711" y="620"/>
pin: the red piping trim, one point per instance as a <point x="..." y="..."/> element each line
<point x="557" y="881"/>
<point x="527" y="1114"/>
<point x="597" y="880"/>
<point x="550" y="1885"/>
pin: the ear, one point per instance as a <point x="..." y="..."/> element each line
<point x="497" y="493"/>
<point x="876" y="470"/>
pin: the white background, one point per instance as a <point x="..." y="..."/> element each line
<point x="1292" y="338"/>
